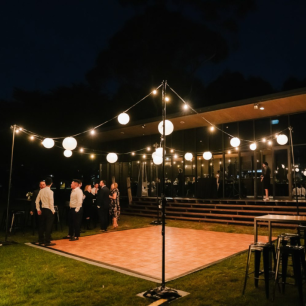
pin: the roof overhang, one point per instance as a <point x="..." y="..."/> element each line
<point x="274" y="105"/>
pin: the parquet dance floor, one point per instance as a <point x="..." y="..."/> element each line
<point x="138" y="252"/>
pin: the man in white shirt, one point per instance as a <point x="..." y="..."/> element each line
<point x="95" y="189"/>
<point x="46" y="213"/>
<point x="75" y="211"/>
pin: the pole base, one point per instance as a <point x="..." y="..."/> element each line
<point x="159" y="293"/>
<point x="156" y="222"/>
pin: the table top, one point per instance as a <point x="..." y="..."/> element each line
<point x="282" y="218"/>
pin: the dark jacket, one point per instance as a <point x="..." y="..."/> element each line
<point x="103" y="199"/>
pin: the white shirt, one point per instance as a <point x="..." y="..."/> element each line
<point x="76" y="199"/>
<point x="93" y="190"/>
<point x="45" y="195"/>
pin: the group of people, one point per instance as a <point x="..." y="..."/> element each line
<point x="98" y="199"/>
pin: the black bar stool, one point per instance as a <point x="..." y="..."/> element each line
<point x="298" y="260"/>
<point x="267" y="249"/>
<point x="18" y="220"/>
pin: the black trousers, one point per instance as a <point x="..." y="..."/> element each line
<point x="45" y="225"/>
<point x="103" y="217"/>
<point x="74" y="220"/>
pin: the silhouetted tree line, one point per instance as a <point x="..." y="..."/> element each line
<point x="160" y="42"/>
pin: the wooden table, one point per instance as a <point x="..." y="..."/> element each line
<point x="276" y="219"/>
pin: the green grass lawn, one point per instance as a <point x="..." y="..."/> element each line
<point x="30" y="276"/>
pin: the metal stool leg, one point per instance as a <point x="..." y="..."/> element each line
<point x="247" y="269"/>
<point x="257" y="267"/>
<point x="298" y="274"/>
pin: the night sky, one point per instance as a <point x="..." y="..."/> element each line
<point x="45" y="44"/>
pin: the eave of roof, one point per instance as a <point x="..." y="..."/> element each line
<point x="277" y="104"/>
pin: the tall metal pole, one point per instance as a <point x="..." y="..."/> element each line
<point x="163" y="183"/>
<point x="10" y="183"/>
<point x="294" y="176"/>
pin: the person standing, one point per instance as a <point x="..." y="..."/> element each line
<point x="265" y="179"/>
<point x="115" y="205"/>
<point x="87" y="206"/>
<point x="33" y="211"/>
<point x="95" y="189"/>
<point x="46" y="213"/>
<point x="75" y="211"/>
<point x="103" y="205"/>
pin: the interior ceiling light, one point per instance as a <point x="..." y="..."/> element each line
<point x="256" y="106"/>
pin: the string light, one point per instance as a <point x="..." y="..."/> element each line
<point x="186" y="106"/>
<point x="81" y="150"/>
<point x="148" y="149"/>
<point x="175" y="155"/>
<point x="229" y="152"/>
<point x="237" y="148"/>
<point x="144" y="156"/>
<point x="92" y="156"/>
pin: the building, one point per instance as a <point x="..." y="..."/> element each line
<point x="257" y="120"/>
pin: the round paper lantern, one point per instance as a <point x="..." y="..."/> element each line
<point x="48" y="143"/>
<point x="253" y="146"/>
<point x="297" y="170"/>
<point x="157" y="161"/>
<point x="168" y="127"/>
<point x="188" y="156"/>
<point x="235" y="142"/>
<point x="304" y="172"/>
<point x="282" y="139"/>
<point x="207" y="155"/>
<point x="159" y="152"/>
<point x="67" y="153"/>
<point x="69" y="143"/>
<point x="112" y="157"/>
<point x="123" y="118"/>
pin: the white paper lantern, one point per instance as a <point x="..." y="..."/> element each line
<point x="112" y="157"/>
<point x="168" y="127"/>
<point x="304" y="172"/>
<point x="235" y="142"/>
<point x="207" y="155"/>
<point x="69" y="143"/>
<point x="253" y="146"/>
<point x="48" y="143"/>
<point x="67" y="153"/>
<point x="297" y="170"/>
<point x="159" y="152"/>
<point x="123" y="118"/>
<point x="188" y="156"/>
<point x="282" y="139"/>
<point x="157" y="161"/>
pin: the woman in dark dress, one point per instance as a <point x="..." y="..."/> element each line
<point x="265" y="179"/>
<point x="87" y="206"/>
<point x="115" y="205"/>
